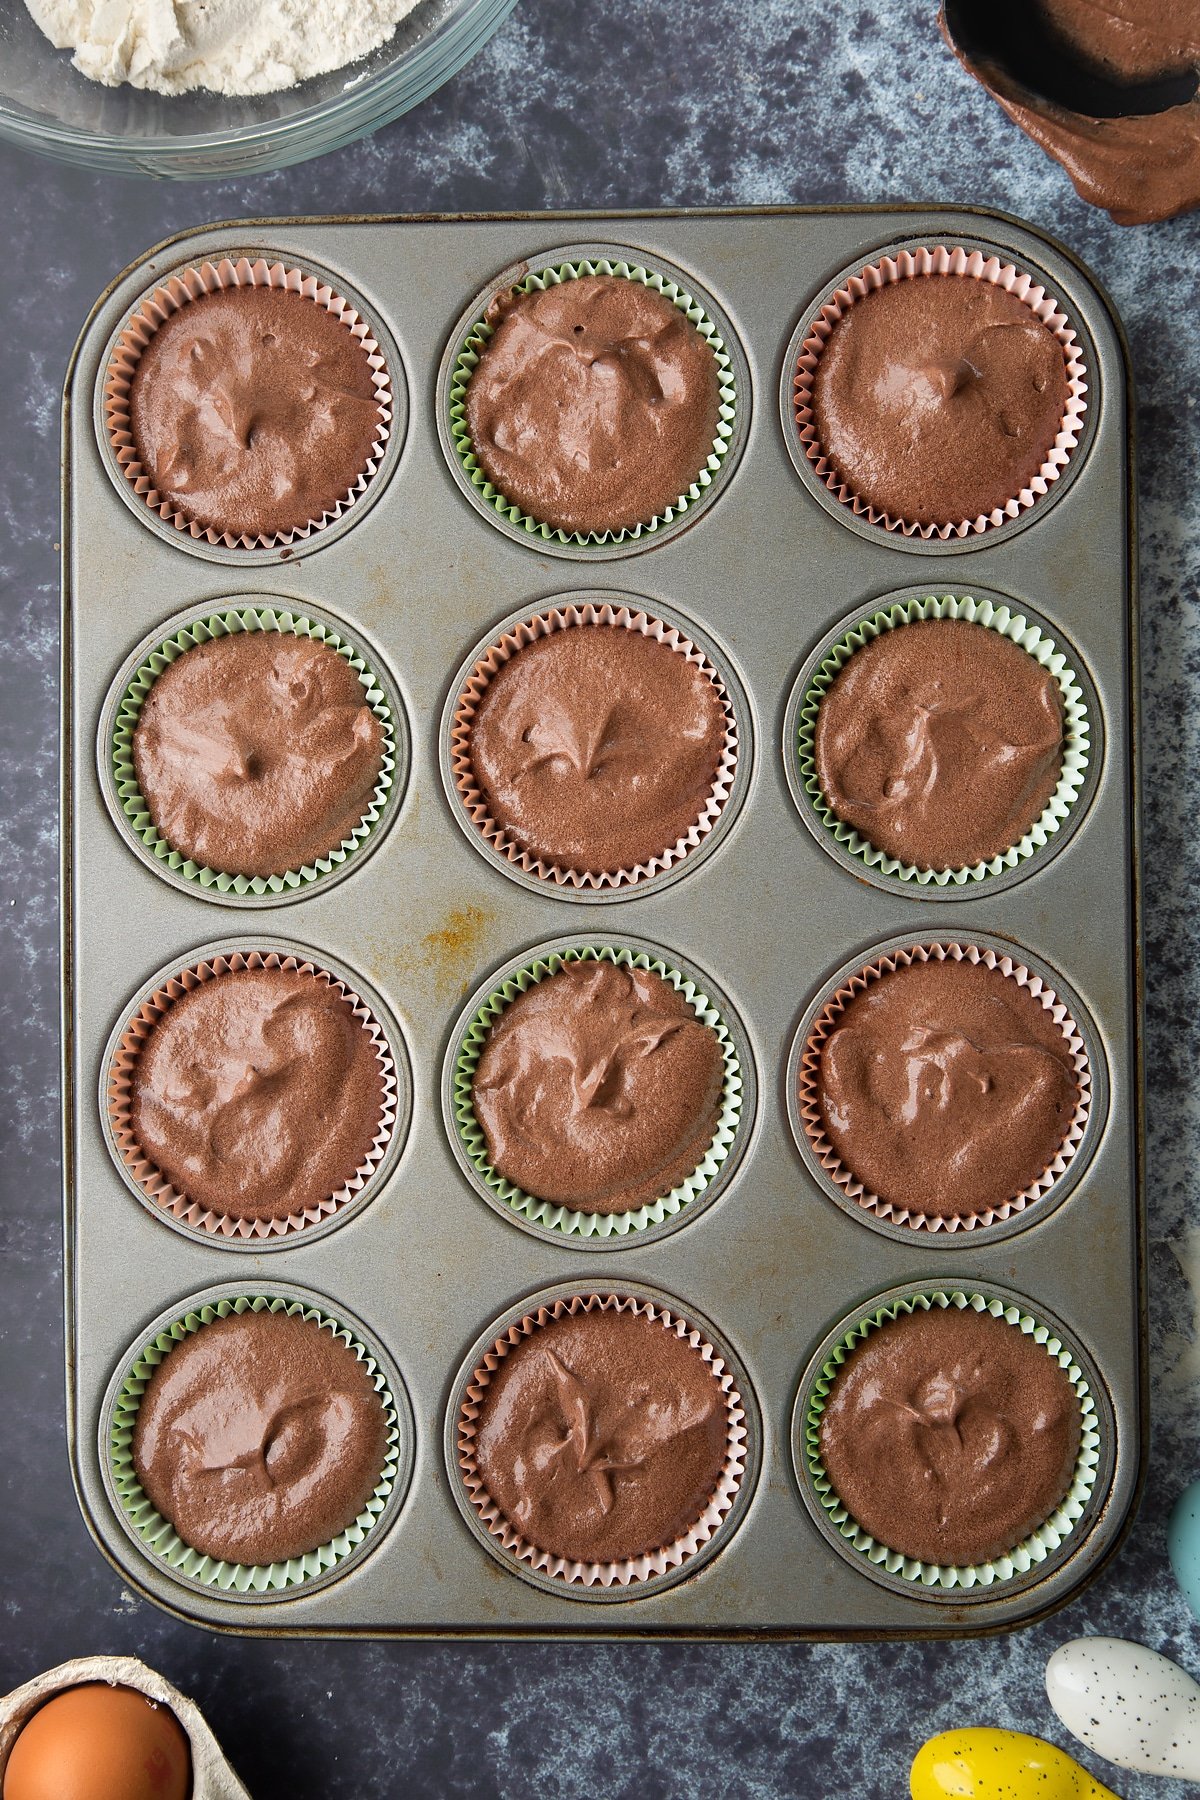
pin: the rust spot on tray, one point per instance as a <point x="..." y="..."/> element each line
<point x="445" y="961"/>
<point x="460" y="934"/>
<point x="453" y="951"/>
<point x="379" y="581"/>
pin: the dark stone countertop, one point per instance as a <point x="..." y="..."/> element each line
<point x="577" y="104"/>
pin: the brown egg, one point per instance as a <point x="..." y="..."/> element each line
<point x="100" y="1743"/>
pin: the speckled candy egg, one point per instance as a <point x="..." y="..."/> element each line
<point x="100" y="1743"/>
<point x="984" y="1763"/>
<point x="1129" y="1704"/>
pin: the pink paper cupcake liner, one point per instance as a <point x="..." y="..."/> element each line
<point x="474" y="803"/>
<point x="827" y="1020"/>
<point x="150" y="1180"/>
<point x="942" y="261"/>
<point x="652" y="1563"/>
<point x="177" y="292"/>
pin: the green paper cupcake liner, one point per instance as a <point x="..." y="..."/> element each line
<point x="158" y="1535"/>
<point x="468" y="358"/>
<point x="1010" y="624"/>
<point x="547" y="1213"/>
<point x="132" y="803"/>
<point x="1034" y="1549"/>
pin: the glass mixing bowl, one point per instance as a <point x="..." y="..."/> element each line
<point x="48" y="106"/>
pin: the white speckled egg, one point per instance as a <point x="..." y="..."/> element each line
<point x="1135" y="1707"/>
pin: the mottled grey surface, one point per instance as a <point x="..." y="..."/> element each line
<point x="603" y="103"/>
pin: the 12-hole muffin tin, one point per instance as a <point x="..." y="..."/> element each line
<point x="769" y="1258"/>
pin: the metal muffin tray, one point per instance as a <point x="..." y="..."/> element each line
<point x="764" y="568"/>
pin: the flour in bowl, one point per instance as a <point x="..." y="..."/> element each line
<point x="228" y="46"/>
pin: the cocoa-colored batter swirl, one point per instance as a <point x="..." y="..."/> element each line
<point x="1140" y="168"/>
<point x="258" y="1093"/>
<point x="598" y="1088"/>
<point x="950" y="1436"/>
<point x="946" y="1088"/>
<point x="1129" y="39"/>
<point x="596" y="748"/>
<point x="940" y="742"/>
<point x="938" y="398"/>
<point x="257" y="753"/>
<point x="1106" y="87"/>
<point x="259" y="1437"/>
<point x="602" y="1436"/>
<point x="594" y="405"/>
<point x="254" y="410"/>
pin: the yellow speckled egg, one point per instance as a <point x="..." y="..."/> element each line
<point x="985" y="1763"/>
<point x="100" y="1743"/>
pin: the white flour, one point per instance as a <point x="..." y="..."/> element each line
<point x="230" y="46"/>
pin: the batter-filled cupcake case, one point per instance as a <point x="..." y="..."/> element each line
<point x="580" y="991"/>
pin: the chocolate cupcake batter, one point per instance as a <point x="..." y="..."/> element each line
<point x="950" y="1436"/>
<point x="1107" y="87"/>
<point x="1128" y="40"/>
<point x="940" y="742"/>
<point x="594" y="405"/>
<point x="253" y="410"/>
<point x="260" y="1437"/>
<point x="257" y="1094"/>
<point x="598" y="1088"/>
<point x="602" y="1436"/>
<point x="938" y="398"/>
<point x="257" y="753"/>
<point x="596" y="748"/>
<point x="946" y="1088"/>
